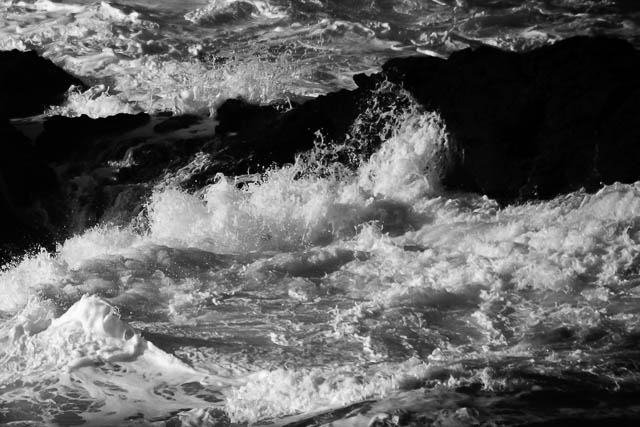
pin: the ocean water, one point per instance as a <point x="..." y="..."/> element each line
<point x="318" y="294"/>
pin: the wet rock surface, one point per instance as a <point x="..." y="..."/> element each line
<point x="536" y="124"/>
<point x="68" y="139"/>
<point x="29" y="84"/>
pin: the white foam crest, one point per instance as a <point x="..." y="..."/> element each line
<point x="34" y="317"/>
<point x="89" y="333"/>
<point x="95" y="102"/>
<point x="104" y="9"/>
<point x="114" y="14"/>
<point x="96" y="243"/>
<point x="215" y="7"/>
<point x="307" y="203"/>
<point x="281" y="212"/>
<point x="98" y="322"/>
<point x="67" y="353"/>
<point x="288" y="208"/>
<point x="42" y="272"/>
<point x="615" y="202"/>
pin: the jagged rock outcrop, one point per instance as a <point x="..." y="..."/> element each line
<point x="70" y="139"/>
<point x="28" y="185"/>
<point x="254" y="137"/>
<point x="535" y="124"/>
<point x="259" y="136"/>
<point x="28" y="192"/>
<point x="29" y="84"/>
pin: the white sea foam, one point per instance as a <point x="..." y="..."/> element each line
<point x="259" y="8"/>
<point x="95" y="102"/>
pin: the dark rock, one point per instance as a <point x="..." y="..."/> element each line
<point x="237" y="115"/>
<point x="253" y="137"/>
<point x="176" y="123"/>
<point x="124" y="203"/>
<point x="108" y="166"/>
<point x="70" y="138"/>
<point x="28" y="192"/>
<point x="295" y="130"/>
<point x="536" y="124"/>
<point x="29" y="84"/>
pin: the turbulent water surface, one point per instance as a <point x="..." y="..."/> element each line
<point x="315" y="293"/>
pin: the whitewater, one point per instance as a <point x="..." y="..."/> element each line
<point x="318" y="292"/>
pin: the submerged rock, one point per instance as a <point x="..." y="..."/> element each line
<point x="29" y="84"/>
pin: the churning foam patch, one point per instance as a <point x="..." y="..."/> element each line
<point x="273" y="394"/>
<point x="152" y="84"/>
<point x="290" y="207"/>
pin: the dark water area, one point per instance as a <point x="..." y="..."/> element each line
<point x="220" y="236"/>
